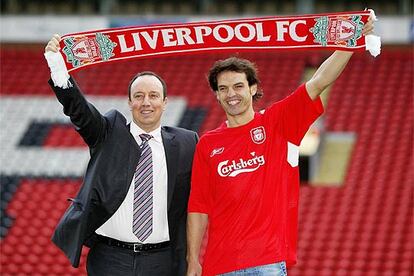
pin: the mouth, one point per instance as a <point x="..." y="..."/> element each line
<point x="145" y="112"/>
<point x="233" y="102"/>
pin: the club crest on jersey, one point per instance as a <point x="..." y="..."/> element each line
<point x="258" y="135"/>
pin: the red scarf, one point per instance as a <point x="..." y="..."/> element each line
<point x="335" y="31"/>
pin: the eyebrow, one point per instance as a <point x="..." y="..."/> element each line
<point x="152" y="91"/>
<point x="237" y="83"/>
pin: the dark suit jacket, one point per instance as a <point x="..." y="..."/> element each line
<point x="114" y="157"/>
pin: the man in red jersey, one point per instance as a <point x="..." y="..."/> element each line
<point x="245" y="178"/>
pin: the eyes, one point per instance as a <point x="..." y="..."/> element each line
<point x="141" y="96"/>
<point x="225" y="89"/>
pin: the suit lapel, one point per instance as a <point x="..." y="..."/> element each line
<point x="171" y="154"/>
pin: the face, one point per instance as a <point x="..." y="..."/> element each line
<point x="235" y="95"/>
<point x="147" y="103"/>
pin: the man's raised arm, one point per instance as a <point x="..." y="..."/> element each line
<point x="332" y="67"/>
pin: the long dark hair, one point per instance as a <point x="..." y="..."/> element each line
<point x="239" y="65"/>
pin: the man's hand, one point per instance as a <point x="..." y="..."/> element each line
<point x="194" y="268"/>
<point x="372" y="41"/>
<point x="53" y="44"/>
<point x="58" y="71"/>
<point x="368" y="27"/>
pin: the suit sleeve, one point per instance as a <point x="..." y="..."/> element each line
<point x="89" y="123"/>
<point x="293" y="115"/>
<point x="180" y="263"/>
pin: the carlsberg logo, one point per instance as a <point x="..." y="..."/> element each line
<point x="235" y="167"/>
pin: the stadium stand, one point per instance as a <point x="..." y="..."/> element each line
<point x="187" y="7"/>
<point x="361" y="228"/>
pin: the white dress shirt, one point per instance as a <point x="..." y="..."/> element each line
<point x="119" y="226"/>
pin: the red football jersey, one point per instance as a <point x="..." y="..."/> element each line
<point x="247" y="180"/>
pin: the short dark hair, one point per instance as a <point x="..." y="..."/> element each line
<point x="148" y="73"/>
<point x="235" y="64"/>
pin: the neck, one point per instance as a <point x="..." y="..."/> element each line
<point x="146" y="128"/>
<point x="241" y="119"/>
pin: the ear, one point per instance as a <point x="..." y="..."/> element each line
<point x="253" y="89"/>
<point x="165" y="101"/>
<point x="217" y="97"/>
<point x="130" y="104"/>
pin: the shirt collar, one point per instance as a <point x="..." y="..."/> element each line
<point x="136" y="131"/>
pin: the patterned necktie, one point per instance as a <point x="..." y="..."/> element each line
<point x="142" y="217"/>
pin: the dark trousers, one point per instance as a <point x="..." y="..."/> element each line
<point x="108" y="260"/>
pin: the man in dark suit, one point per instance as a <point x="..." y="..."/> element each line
<point x="131" y="207"/>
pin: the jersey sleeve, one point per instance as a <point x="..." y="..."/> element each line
<point x="293" y="115"/>
<point x="199" y="201"/>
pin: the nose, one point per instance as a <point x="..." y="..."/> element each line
<point x="231" y="92"/>
<point x="146" y="100"/>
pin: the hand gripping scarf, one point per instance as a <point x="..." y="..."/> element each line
<point x="341" y="31"/>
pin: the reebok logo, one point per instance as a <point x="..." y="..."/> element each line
<point x="216" y="151"/>
<point x="236" y="167"/>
